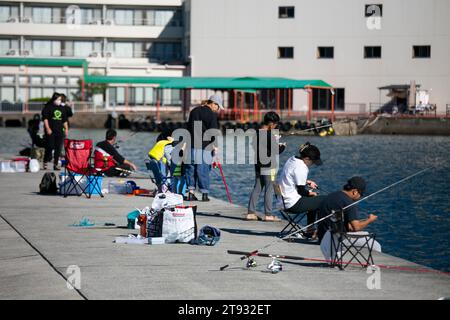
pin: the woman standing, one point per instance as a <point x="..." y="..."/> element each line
<point x="56" y="128"/>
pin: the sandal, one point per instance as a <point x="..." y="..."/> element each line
<point x="251" y="217"/>
<point x="270" y="218"/>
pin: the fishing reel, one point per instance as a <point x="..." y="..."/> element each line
<point x="275" y="266"/>
<point x="251" y="263"/>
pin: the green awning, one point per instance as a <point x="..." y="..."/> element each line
<point x="45" y="62"/>
<point x="245" y="83"/>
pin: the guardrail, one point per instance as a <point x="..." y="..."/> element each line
<point x="426" y="111"/>
<point x="36" y="107"/>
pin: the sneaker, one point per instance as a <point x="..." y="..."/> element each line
<point x="205" y="197"/>
<point x="56" y="168"/>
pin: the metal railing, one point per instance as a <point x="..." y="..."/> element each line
<point x="447" y="109"/>
<point x="36" y="107"/>
<point x="426" y="111"/>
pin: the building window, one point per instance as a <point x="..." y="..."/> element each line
<point x="372" y="52"/>
<point x="7" y="94"/>
<point x="7" y="46"/>
<point x="7" y="13"/>
<point x="44" y="48"/>
<point x="373" y="10"/>
<point x="321" y="100"/>
<point x="90" y="16"/>
<point x="164" y="51"/>
<point x="285" y="52"/>
<point x="84" y="48"/>
<point x="325" y="52"/>
<point x="286" y="12"/>
<point x="421" y="51"/>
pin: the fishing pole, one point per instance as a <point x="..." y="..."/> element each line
<point x="298" y="258"/>
<point x="326" y="217"/>
<point x="218" y="165"/>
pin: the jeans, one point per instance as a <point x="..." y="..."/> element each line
<point x="159" y="172"/>
<point x="198" y="170"/>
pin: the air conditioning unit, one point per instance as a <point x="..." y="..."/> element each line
<point x="27" y="53"/>
<point x="27" y="20"/>
<point x="94" y="54"/>
<point x="12" y="20"/>
<point x="108" y="54"/>
<point x="109" y="22"/>
<point x="12" y="53"/>
<point x="95" y="22"/>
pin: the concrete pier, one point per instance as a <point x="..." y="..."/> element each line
<point x="38" y="246"/>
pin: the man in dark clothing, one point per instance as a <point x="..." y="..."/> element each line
<point x="201" y="119"/>
<point x="56" y="128"/>
<point x="108" y="160"/>
<point x="265" y="169"/>
<point x="336" y="201"/>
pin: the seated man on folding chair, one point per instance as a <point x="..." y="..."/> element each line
<point x="351" y="192"/>
<point x="293" y="181"/>
<point x="108" y="160"/>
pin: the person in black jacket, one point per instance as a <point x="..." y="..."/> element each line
<point x="56" y="128"/>
<point x="265" y="171"/>
<point x="65" y="104"/>
<point x="201" y="119"/>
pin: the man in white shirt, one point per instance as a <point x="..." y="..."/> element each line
<point x="293" y="181"/>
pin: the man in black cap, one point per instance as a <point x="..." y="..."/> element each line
<point x="336" y="201"/>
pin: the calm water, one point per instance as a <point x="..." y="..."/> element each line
<point x="413" y="217"/>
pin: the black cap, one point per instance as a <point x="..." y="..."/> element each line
<point x="312" y="152"/>
<point x="357" y="183"/>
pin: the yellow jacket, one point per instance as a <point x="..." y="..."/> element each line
<point x="157" y="152"/>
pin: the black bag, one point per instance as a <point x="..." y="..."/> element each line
<point x="48" y="184"/>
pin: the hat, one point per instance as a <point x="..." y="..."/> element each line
<point x="357" y="183"/>
<point x="217" y="100"/>
<point x="312" y="152"/>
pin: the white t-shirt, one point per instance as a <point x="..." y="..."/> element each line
<point x="294" y="173"/>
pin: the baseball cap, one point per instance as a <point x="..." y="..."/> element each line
<point x="312" y="152"/>
<point x="357" y="183"/>
<point x="217" y="100"/>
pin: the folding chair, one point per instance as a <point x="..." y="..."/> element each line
<point x="354" y="245"/>
<point x="158" y="176"/>
<point x="293" y="219"/>
<point x="79" y="166"/>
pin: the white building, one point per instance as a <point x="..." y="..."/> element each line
<point x="355" y="45"/>
<point x="329" y="40"/>
<point x="131" y="38"/>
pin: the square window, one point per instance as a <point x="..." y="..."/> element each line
<point x="285" y="52"/>
<point x="286" y="12"/>
<point x="372" y="52"/>
<point x="325" y="52"/>
<point x="421" y="51"/>
<point x="373" y="10"/>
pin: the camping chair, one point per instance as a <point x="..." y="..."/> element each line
<point x="354" y="245"/>
<point x="293" y="219"/>
<point x="78" y="167"/>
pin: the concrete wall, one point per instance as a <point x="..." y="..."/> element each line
<point x="241" y="37"/>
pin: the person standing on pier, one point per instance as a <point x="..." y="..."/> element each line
<point x="56" y="128"/>
<point x="201" y="119"/>
<point x="265" y="173"/>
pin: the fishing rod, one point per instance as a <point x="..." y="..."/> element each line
<point x="326" y="217"/>
<point x="218" y="165"/>
<point x="298" y="258"/>
<point x="116" y="145"/>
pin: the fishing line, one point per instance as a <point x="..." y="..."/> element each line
<point x="324" y="218"/>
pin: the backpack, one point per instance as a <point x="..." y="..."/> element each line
<point x="48" y="184"/>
